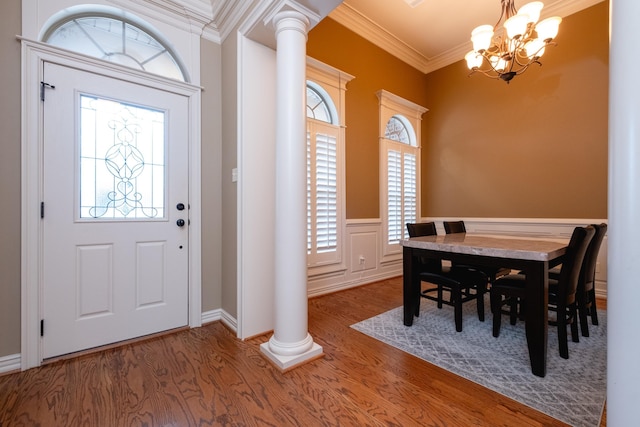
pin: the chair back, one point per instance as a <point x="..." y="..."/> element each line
<point x="572" y="264"/>
<point x="421" y="229"/>
<point x="588" y="273"/>
<point x="454" y="227"/>
<point x="425" y="229"/>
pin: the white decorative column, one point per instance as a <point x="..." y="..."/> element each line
<point x="623" y="291"/>
<point x="291" y="343"/>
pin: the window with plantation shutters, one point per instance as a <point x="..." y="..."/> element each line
<point x="394" y="196"/>
<point x="322" y="189"/>
<point x="402" y="194"/>
<point x="399" y="167"/>
<point x="324" y="180"/>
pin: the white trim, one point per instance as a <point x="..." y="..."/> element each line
<point x="222" y="316"/>
<point x="230" y="321"/>
<point x="211" y="316"/>
<point x="33" y="55"/>
<point x="9" y="363"/>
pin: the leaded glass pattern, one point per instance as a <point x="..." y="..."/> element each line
<point x="396" y="130"/>
<point x="122" y="160"/>
<point x="116" y="41"/>
<point x="317" y="106"/>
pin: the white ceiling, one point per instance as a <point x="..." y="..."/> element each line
<point x="435" y="33"/>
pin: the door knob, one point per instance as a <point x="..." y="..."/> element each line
<point x="180" y="206"/>
<point x="180" y="222"/>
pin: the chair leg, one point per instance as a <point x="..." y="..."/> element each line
<point x="573" y="313"/>
<point x="594" y="311"/>
<point x="456" y="296"/>
<point x="562" y="332"/>
<point x="513" y="310"/>
<point x="582" y="314"/>
<point x="496" y="308"/>
<point x="439" y="296"/>
<point x="480" y="302"/>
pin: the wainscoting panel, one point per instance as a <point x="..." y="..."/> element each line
<point x="363" y="240"/>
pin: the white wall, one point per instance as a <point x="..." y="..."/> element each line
<point x="256" y="188"/>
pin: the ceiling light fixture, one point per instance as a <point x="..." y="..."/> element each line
<point x="520" y="43"/>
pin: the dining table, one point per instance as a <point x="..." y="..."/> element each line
<point x="531" y="256"/>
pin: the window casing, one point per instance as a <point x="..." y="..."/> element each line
<point x="400" y="122"/>
<point x="325" y="168"/>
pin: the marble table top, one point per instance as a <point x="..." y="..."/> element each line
<point x="502" y="246"/>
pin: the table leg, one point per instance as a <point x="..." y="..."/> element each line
<point x="410" y="285"/>
<point x="536" y="316"/>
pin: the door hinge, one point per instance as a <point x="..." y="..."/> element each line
<point x="41" y="327"/>
<point x="43" y="86"/>
<point x="41" y="209"/>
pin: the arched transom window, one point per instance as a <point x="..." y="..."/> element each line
<point x="116" y="40"/>
<point x="317" y="106"/>
<point x="397" y="130"/>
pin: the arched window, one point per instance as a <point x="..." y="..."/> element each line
<point x="399" y="167"/>
<point x="398" y="129"/>
<point x="317" y="106"/>
<point x="325" y="167"/>
<point x="116" y="40"/>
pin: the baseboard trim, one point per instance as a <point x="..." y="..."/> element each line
<point x="10" y="363"/>
<point x="220" y="315"/>
<point x="230" y="321"/>
<point x="211" y="316"/>
<point x="335" y="287"/>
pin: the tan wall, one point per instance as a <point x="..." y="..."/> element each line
<point x="229" y="204"/>
<point x="10" y="10"/>
<point x="211" y="152"/>
<point x="536" y="148"/>
<point x="374" y="69"/>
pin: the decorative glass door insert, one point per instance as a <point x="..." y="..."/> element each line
<point x="122" y="160"/>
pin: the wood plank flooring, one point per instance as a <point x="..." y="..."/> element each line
<point x="207" y="377"/>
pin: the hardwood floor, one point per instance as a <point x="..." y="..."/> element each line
<point x="206" y="377"/>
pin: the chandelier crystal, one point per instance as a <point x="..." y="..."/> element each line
<point x="504" y="52"/>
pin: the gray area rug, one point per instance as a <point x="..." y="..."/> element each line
<point x="573" y="390"/>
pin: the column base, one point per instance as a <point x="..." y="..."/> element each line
<point x="286" y="363"/>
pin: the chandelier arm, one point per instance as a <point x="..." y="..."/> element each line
<point x="508" y="10"/>
<point x="503" y="57"/>
<point x="487" y="72"/>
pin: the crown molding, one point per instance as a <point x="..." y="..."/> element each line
<point x="210" y="19"/>
<point x="364" y="27"/>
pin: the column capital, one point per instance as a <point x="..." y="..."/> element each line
<point x="291" y="20"/>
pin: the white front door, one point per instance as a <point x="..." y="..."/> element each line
<point x="115" y="210"/>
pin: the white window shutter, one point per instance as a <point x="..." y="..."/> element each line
<point x="394" y="196"/>
<point x="326" y="193"/>
<point x="409" y="190"/>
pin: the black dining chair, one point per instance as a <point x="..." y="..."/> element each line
<point x="586" y="293"/>
<point x="510" y="290"/>
<point x="451" y="227"/>
<point x="463" y="285"/>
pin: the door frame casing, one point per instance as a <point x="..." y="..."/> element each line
<point x="34" y="54"/>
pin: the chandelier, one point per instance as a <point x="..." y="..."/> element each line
<point x="520" y="43"/>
